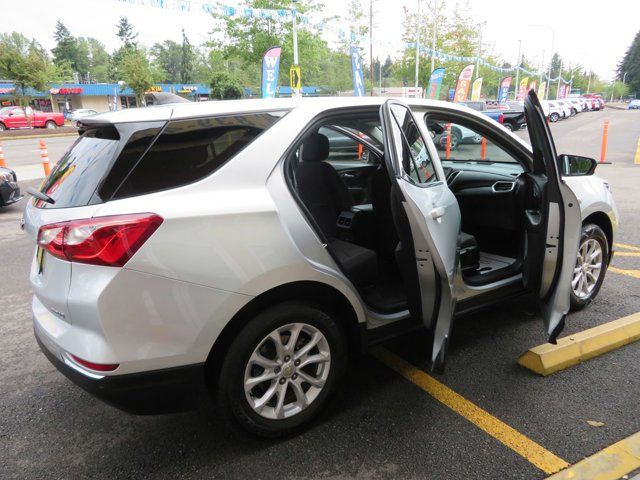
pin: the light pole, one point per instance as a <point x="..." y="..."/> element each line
<point x="515" y="90"/>
<point x="553" y="41"/>
<point x="479" y="51"/>
<point x="541" y="68"/>
<point x="417" y="49"/>
<point x="294" y="91"/>
<point x="559" y="78"/>
<point x="433" y="34"/>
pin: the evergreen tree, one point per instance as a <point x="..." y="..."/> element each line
<point x="126" y="33"/>
<point x="630" y="65"/>
<point x="187" y="60"/>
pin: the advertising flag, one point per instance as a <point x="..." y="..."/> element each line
<point x="475" y="89"/>
<point x="270" y="69"/>
<point x="542" y="90"/>
<point x="435" y="82"/>
<point x="356" y="66"/>
<point x="532" y="86"/>
<point x="464" y="82"/>
<point x="522" y="89"/>
<point x="505" y="84"/>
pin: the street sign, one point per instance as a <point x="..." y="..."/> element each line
<point x="295" y="78"/>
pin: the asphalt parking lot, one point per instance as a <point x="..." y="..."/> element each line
<point x="379" y="425"/>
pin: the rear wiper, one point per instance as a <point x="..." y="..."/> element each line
<point x="40" y="196"/>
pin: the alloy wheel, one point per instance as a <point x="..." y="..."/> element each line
<point x="588" y="268"/>
<point x="287" y="371"/>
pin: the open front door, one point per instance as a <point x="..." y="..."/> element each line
<point x="432" y="212"/>
<point x="553" y="224"/>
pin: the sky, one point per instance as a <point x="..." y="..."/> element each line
<point x="582" y="32"/>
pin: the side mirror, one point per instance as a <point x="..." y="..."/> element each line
<point x="575" y="165"/>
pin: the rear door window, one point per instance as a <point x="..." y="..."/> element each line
<point x="191" y="149"/>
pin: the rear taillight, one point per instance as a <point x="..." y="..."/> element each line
<point x="109" y="241"/>
<point x="98" y="367"/>
<point x="501" y="118"/>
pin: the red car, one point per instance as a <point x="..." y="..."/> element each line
<point x="14" y="117"/>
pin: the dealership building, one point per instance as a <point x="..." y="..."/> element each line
<point x="100" y="97"/>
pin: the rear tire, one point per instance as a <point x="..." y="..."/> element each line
<point x="244" y="400"/>
<point x="591" y="266"/>
<point x="50" y="124"/>
<point x="508" y="126"/>
<point x="2" y="127"/>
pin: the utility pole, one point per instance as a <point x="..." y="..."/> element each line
<point x="541" y="70"/>
<point x="517" y="86"/>
<point x="371" y="43"/>
<point x="433" y="35"/>
<point x="417" y="49"/>
<point x="559" y="79"/>
<point x="479" y="51"/>
<point x="295" y="92"/>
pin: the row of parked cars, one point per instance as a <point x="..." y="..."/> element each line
<point x="556" y="110"/>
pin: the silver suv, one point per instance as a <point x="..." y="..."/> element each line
<point x="244" y="248"/>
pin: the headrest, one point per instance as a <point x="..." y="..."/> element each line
<point x="315" y="148"/>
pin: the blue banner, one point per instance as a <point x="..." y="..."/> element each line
<point x="503" y="93"/>
<point x="270" y="69"/>
<point x="358" y="80"/>
<point x="435" y="82"/>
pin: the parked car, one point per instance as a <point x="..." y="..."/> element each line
<point x="633" y="105"/>
<point x="76" y="115"/>
<point x="567" y="109"/>
<point x="251" y="270"/>
<point x="510" y="119"/>
<point x="575" y="104"/>
<point x="458" y="135"/>
<point x="553" y="111"/>
<point x="9" y="189"/>
<point x="15" y="117"/>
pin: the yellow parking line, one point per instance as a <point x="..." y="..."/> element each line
<point x="627" y="246"/>
<point x="569" y="351"/>
<point x="510" y="437"/>
<point x="609" y="464"/>
<point x="627" y="254"/>
<point x="622" y="271"/>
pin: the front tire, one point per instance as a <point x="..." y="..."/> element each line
<point x="2" y="127"/>
<point x="281" y="368"/>
<point x="591" y="266"/>
<point x="50" y="125"/>
<point x="554" y="117"/>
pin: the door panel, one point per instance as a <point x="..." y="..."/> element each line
<point x="433" y="214"/>
<point x="553" y="225"/>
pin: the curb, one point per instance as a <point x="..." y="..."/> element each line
<point x="27" y="137"/>
<point x="575" y="349"/>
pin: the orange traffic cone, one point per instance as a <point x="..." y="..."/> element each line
<point x="2" y="162"/>
<point x="44" y="155"/>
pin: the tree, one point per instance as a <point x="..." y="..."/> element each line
<point x="187" y="60"/>
<point x="630" y="65"/>
<point x="225" y="87"/>
<point x="167" y="57"/>
<point x="243" y="41"/>
<point x="99" y="59"/>
<point x="126" y="33"/>
<point x="137" y="73"/>
<point x="26" y="63"/>
<point x="70" y="49"/>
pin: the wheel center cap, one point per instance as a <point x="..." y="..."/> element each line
<point x="288" y="369"/>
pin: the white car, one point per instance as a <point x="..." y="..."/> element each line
<point x="219" y="244"/>
<point x="576" y="104"/>
<point x="567" y="108"/>
<point x="552" y="110"/>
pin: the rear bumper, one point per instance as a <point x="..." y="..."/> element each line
<point x="146" y="393"/>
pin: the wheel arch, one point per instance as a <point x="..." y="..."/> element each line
<point x="602" y="220"/>
<point x="319" y="294"/>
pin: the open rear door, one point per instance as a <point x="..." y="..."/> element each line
<point x="433" y="214"/>
<point x="553" y="225"/>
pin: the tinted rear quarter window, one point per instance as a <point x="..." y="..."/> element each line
<point x="75" y="177"/>
<point x="191" y="149"/>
